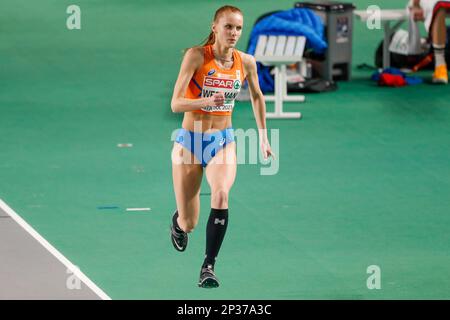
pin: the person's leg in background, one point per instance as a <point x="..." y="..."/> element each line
<point x="439" y="36"/>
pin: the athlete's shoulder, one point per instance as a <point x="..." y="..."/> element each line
<point x="248" y="61"/>
<point x="195" y="55"/>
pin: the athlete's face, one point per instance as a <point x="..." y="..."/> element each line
<point x="228" y="28"/>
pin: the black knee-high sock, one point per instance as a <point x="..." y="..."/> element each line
<point x="215" y="232"/>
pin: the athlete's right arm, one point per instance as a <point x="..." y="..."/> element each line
<point x="192" y="60"/>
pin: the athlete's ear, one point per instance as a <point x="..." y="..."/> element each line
<point x="213" y="27"/>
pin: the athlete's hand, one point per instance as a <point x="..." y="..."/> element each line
<point x="417" y="13"/>
<point x="217" y="99"/>
<point x="267" y="150"/>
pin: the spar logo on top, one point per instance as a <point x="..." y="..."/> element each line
<point x="229" y="87"/>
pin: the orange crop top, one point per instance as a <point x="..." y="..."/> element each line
<point x="209" y="79"/>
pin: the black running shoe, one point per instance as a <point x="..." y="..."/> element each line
<point x="208" y="278"/>
<point x="179" y="238"/>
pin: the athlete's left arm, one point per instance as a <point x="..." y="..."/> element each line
<point x="258" y="102"/>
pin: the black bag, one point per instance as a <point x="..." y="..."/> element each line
<point x="408" y="61"/>
<point x="398" y="60"/>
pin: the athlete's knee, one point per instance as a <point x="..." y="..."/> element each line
<point x="219" y="198"/>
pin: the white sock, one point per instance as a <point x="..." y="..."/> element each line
<point x="439" y="54"/>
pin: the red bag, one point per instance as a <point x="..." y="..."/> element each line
<point x="391" y="80"/>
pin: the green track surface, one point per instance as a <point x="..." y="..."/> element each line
<point x="364" y="177"/>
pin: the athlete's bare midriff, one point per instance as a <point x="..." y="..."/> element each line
<point x="208" y="122"/>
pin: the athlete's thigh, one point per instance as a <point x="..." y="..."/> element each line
<point x="187" y="178"/>
<point x="221" y="170"/>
